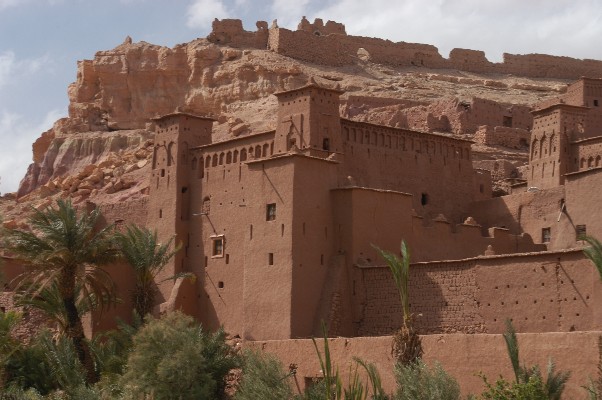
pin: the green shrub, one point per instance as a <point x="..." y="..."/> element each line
<point x="532" y="389"/>
<point x="417" y="381"/>
<point x="263" y="378"/>
<point x="173" y="358"/>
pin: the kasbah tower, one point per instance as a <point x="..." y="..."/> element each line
<point x="278" y="226"/>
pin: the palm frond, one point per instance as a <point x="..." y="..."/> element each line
<point x="594" y="252"/>
<point x="512" y="347"/>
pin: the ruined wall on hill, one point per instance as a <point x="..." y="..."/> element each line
<point x="334" y="47"/>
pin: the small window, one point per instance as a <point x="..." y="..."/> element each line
<point x="595" y="103"/>
<point x="220" y="284"/>
<point x="424" y="199"/>
<point x="507" y="122"/>
<point x="270" y="212"/>
<point x="270" y="258"/>
<point x="217" y="246"/>
<point x="581" y="232"/>
<point x="481" y="188"/>
<point x="326" y="144"/>
<point x="546" y="235"/>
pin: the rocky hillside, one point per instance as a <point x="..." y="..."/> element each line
<point x="100" y="152"/>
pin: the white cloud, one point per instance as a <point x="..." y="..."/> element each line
<point x="8" y="3"/>
<point x="12" y="69"/>
<point x="202" y="12"/>
<point x="561" y="27"/>
<point x="289" y="13"/>
<point x="18" y="134"/>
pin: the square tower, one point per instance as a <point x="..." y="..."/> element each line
<point x="308" y="120"/>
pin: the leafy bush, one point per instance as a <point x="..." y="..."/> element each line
<point x="532" y="389"/>
<point x="173" y="358"/>
<point x="263" y="378"/>
<point x="417" y="381"/>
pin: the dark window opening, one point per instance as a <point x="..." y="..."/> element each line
<point x="217" y="248"/>
<point x="270" y="258"/>
<point x="162" y="173"/>
<point x="595" y="103"/>
<point x="184" y="189"/>
<point x="581" y="232"/>
<point x="160" y="213"/>
<point x="326" y="144"/>
<point x="507" y="121"/>
<point x="270" y="212"/>
<point x="227" y="258"/>
<point x="220" y="284"/>
<point x="481" y="188"/>
<point x="546" y="235"/>
<point x="424" y="199"/>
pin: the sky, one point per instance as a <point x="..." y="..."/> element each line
<point x="42" y="40"/>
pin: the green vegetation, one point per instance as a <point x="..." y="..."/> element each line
<point x="142" y="251"/>
<point x="418" y="381"/>
<point x="407" y="346"/>
<point x="63" y="251"/>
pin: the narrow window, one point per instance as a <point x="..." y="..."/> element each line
<point x="481" y="188"/>
<point x="581" y="232"/>
<point x="326" y="144"/>
<point x="162" y="173"/>
<point x="321" y="259"/>
<point x="160" y="213"/>
<point x="250" y="232"/>
<point x="270" y="212"/>
<point x="595" y="103"/>
<point x="424" y="199"/>
<point x="546" y="235"/>
<point x="220" y="284"/>
<point x="227" y="258"/>
<point x="217" y="246"/>
<point x="270" y="258"/>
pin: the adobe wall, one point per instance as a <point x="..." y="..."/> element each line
<point x="540" y="292"/>
<point x="513" y="138"/>
<point x="586" y="154"/>
<point x="462" y="356"/>
<point x="499" y="169"/>
<point x="32" y="321"/>
<point x="434" y="168"/>
<point x="493" y="113"/>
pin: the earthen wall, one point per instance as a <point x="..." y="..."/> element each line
<point x="543" y="292"/>
<point x="513" y="138"/>
<point x="388" y="158"/>
<point x="462" y="356"/>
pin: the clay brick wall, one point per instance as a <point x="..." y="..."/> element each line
<point x="540" y="292"/>
<point x="500" y="169"/>
<point x="513" y="138"/>
<point x="388" y="158"/>
<point x="32" y="320"/>
<point x="126" y="212"/>
<point x="443" y="294"/>
<point x="586" y="154"/>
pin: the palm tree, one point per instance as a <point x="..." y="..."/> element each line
<point x="407" y="346"/>
<point x="143" y="252"/>
<point x="594" y="252"/>
<point x="64" y="250"/>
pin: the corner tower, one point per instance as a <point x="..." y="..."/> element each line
<point x="308" y="120"/>
<point x="554" y="128"/>
<point x="168" y="208"/>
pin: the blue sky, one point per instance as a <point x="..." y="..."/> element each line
<point x="41" y="41"/>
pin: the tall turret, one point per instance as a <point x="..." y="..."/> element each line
<point x="168" y="209"/>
